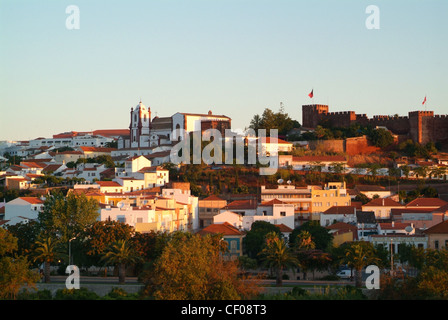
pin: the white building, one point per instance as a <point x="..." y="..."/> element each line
<point x="23" y="209"/>
<point x="275" y="212"/>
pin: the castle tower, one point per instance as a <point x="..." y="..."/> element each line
<point x="312" y="114"/>
<point x="140" y="125"/>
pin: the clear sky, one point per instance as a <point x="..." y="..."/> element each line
<point x="234" y="57"/>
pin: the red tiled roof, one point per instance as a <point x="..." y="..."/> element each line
<point x="32" y="200"/>
<point x="427" y="202"/>
<point x="383" y="202"/>
<point x="225" y="229"/>
<point x="213" y="198"/>
<point x="274" y="140"/>
<point x="284" y="228"/>
<point x="396" y="226"/>
<point x="242" y="204"/>
<point x="97" y="149"/>
<point x="319" y="159"/>
<point x="341" y="210"/>
<point x="272" y="202"/>
<point x="108" y="183"/>
<point x="441" y="227"/>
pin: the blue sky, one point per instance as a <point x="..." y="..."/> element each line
<point x="234" y="57"/>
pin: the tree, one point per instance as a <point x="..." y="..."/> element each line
<point x="191" y="267"/>
<point x="277" y="255"/>
<point x="121" y="253"/>
<point x="359" y="255"/>
<point x="95" y="238"/>
<point x="273" y="120"/>
<point x="321" y="236"/>
<point x="68" y="216"/>
<point x="15" y="273"/>
<point x="308" y="256"/>
<point x="255" y="238"/>
<point x="381" y="138"/>
<point x="47" y="250"/>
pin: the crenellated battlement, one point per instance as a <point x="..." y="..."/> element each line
<point x="421" y="126"/>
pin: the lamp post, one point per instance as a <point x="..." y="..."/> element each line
<point x="70" y="250"/>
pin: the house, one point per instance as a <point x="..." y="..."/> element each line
<point x="244" y="207"/>
<point x="387" y="228"/>
<point x="109" y="186"/>
<point x="366" y="223"/>
<point x="132" y="165"/>
<point x="233" y="218"/>
<point x="232" y="235"/>
<point x="93" y="152"/>
<point x="346" y="214"/>
<point x="319" y="163"/>
<point x="437" y="235"/>
<point x="422" y="218"/>
<point x="180" y="191"/>
<point x="141" y="218"/>
<point x="299" y="197"/>
<point x="208" y="208"/>
<point x="342" y="232"/>
<point x="331" y="195"/>
<point x="422" y="203"/>
<point x="392" y="241"/>
<point x="371" y="190"/>
<point x="23" y="208"/>
<point x="274" y="145"/>
<point x="275" y="212"/>
<point x="382" y="207"/>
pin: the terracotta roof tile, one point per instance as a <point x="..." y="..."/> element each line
<point x="427" y="202"/>
<point x="225" y="229"/>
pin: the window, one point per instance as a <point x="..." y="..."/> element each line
<point x="139" y="220"/>
<point x="283" y="213"/>
<point x="436" y="244"/>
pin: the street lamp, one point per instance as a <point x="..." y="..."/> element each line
<point x="70" y="250"/>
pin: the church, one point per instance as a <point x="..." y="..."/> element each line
<point x="153" y="135"/>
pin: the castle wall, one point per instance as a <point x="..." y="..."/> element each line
<point x="420" y="126"/>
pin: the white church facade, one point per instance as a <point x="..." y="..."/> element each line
<point x="154" y="135"/>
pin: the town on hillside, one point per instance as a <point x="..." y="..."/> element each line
<point x="356" y="180"/>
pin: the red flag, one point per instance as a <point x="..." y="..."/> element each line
<point x="424" y="100"/>
<point x="311" y="94"/>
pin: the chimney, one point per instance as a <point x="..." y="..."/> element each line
<point x="393" y="224"/>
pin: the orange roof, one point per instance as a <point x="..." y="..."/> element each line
<point x="397" y="225"/>
<point x="225" y="229"/>
<point x="213" y="198"/>
<point x="383" y="202"/>
<point x="108" y="183"/>
<point x="274" y="140"/>
<point x="284" y="228"/>
<point x="341" y="210"/>
<point x="441" y="227"/>
<point x="242" y="204"/>
<point x="97" y="149"/>
<point x="427" y="202"/>
<point x="272" y="202"/>
<point x="32" y="200"/>
<point x="319" y="159"/>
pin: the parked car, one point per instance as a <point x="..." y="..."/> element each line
<point x="345" y="274"/>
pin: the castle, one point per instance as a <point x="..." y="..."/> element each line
<point x="420" y="126"/>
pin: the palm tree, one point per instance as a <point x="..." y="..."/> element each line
<point x="359" y="255"/>
<point x="121" y="253"/>
<point x="47" y="250"/>
<point x="277" y="255"/>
